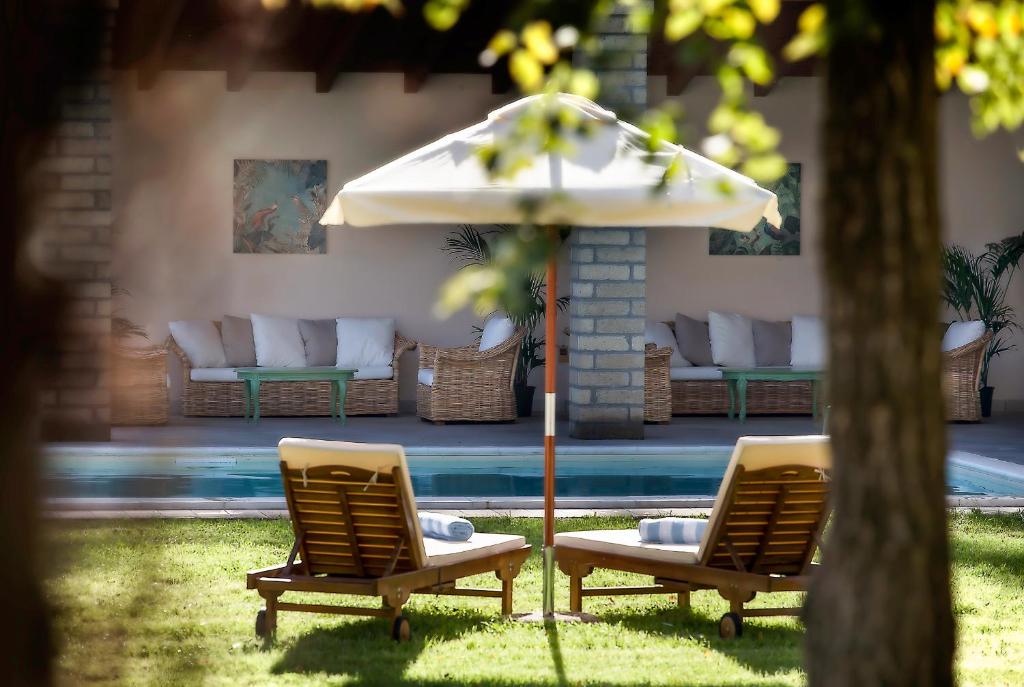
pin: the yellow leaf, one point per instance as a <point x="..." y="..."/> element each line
<point x="740" y="22"/>
<point x="765" y="169"/>
<point x="538" y="40"/>
<point x="274" y="5"/>
<point x="584" y="83"/>
<point x="526" y="70"/>
<point x="681" y="24"/>
<point x="811" y="19"/>
<point x="765" y="10"/>
<point x="502" y="42"/>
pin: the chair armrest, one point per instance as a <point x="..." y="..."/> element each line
<point x="974" y="348"/>
<point x="428" y="354"/>
<point x="402" y="345"/>
<point x="657" y="357"/>
<point x="471" y="354"/>
<point x="186" y="364"/>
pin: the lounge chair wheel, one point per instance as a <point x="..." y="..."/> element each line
<point x="261" y="623"/>
<point x="730" y="626"/>
<point x="400" y="631"/>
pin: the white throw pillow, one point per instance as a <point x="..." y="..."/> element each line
<point x="365" y="342"/>
<point x="661" y="336"/>
<point x="962" y="333"/>
<point x="809" y="349"/>
<point x="278" y="341"/>
<point x="201" y="342"/>
<point x="732" y="339"/>
<point x="496" y="331"/>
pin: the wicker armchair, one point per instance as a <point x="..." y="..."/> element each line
<point x="225" y="399"/>
<point x="657" y="385"/>
<point x="470" y="385"/>
<point x="961" y="378"/>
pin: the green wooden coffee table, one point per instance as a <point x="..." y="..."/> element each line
<point x="737" y="378"/>
<point x="252" y="376"/>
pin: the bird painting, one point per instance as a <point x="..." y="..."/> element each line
<point x="290" y="196"/>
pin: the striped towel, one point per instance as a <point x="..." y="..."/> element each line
<point x="439" y="526"/>
<point x="672" y="530"/>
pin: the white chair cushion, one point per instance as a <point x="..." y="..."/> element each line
<point x="496" y="331"/>
<point x="278" y="341"/>
<point x="962" y="333"/>
<point x="732" y="339"/>
<point x="444" y="552"/>
<point x="661" y="336"/>
<point x="365" y="342"/>
<point x="201" y="342"/>
<point x="627" y="542"/>
<point x="809" y="347"/>
<point x="213" y="374"/>
<point x="694" y="373"/>
<point x="375" y="372"/>
<point x="425" y="376"/>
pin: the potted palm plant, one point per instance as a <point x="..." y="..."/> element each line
<point x="470" y="246"/>
<point x="975" y="287"/>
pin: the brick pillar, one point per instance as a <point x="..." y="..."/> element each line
<point x="608" y="307"/>
<point x="75" y="246"/>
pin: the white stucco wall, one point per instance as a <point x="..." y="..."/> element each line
<point x="174" y="147"/>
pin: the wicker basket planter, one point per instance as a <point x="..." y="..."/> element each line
<point x="138" y="390"/>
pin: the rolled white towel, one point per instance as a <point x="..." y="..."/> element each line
<point x="449" y="527"/>
<point x="672" y="530"/>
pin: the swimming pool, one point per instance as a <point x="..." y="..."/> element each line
<point x="437" y="473"/>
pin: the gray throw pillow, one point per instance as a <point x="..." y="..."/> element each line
<point x="320" y="338"/>
<point x="772" y="343"/>
<point x="239" y="347"/>
<point x="694" y="340"/>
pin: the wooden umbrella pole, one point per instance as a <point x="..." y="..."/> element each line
<point x="550" y="368"/>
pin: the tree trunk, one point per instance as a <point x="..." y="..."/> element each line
<point x="880" y="612"/>
<point x="43" y="44"/>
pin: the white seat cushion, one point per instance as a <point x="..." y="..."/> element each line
<point x="213" y="374"/>
<point x="496" y="331"/>
<point x="201" y="342"/>
<point x="732" y="339"/>
<point x="809" y="346"/>
<point x="694" y="373"/>
<point x="278" y="341"/>
<point x="375" y="372"/>
<point x="425" y="376"/>
<point x="659" y="334"/>
<point x="365" y="342"/>
<point x="962" y="333"/>
<point x="444" y="552"/>
<point x="627" y="543"/>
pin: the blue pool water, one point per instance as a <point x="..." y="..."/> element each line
<point x="679" y="473"/>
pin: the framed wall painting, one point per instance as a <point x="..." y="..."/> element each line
<point x="766" y="239"/>
<point x="278" y="205"/>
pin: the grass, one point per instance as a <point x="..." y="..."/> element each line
<point x="164" y="603"/>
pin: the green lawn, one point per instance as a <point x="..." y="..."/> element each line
<point x="164" y="603"/>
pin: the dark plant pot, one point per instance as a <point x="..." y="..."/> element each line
<point x="524" y="400"/>
<point x="986" y="400"/>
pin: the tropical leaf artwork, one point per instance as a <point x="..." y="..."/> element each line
<point x="766" y="239"/>
<point x="278" y="205"/>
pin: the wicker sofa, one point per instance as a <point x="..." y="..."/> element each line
<point x="467" y="384"/>
<point x="225" y="398"/>
<point x="711" y="396"/>
<point x="961" y="379"/>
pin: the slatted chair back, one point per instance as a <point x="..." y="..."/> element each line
<point x="352" y="508"/>
<point x="771" y="506"/>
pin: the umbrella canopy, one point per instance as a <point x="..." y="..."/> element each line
<point x="603" y="180"/>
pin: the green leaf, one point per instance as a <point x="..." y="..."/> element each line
<point x="526" y="70"/>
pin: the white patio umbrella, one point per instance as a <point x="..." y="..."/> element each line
<point x="604" y="180"/>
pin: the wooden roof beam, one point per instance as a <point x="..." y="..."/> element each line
<point x="169" y="14"/>
<point x="337" y="48"/>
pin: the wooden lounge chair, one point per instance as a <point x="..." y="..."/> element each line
<point x="761" y="536"/>
<point x="357" y="532"/>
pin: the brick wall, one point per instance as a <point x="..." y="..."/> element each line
<point x="74" y="245"/>
<point x="608" y="279"/>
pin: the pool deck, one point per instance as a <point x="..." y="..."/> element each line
<point x="999" y="437"/>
